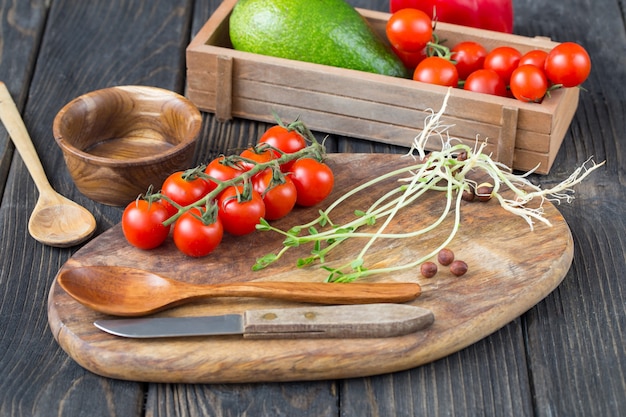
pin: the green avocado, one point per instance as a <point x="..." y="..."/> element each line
<point x="329" y="32"/>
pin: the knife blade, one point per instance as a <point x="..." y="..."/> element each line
<point x="345" y="321"/>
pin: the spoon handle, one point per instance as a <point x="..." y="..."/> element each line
<point x="317" y="292"/>
<point x="12" y="120"/>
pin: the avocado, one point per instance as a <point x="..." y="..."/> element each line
<point x="329" y="32"/>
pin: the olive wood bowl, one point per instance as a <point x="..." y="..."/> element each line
<point x="118" y="141"/>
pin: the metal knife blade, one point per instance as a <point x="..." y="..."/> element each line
<point x="345" y="321"/>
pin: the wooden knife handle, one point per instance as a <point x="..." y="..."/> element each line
<point x="372" y="320"/>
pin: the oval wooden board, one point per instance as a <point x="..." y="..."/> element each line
<point x="511" y="269"/>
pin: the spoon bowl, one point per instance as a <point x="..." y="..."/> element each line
<point x="55" y="220"/>
<point x="124" y="291"/>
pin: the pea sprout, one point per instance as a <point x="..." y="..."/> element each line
<point x="454" y="165"/>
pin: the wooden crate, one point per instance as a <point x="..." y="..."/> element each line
<point x="380" y="108"/>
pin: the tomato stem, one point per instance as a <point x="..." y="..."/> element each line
<point x="315" y="150"/>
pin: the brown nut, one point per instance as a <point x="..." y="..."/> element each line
<point x="468" y="194"/>
<point x="445" y="256"/>
<point x="458" y="268"/>
<point x="461" y="156"/>
<point x="484" y="191"/>
<point x="428" y="269"/>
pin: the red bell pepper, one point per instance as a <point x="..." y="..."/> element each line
<point x="485" y="14"/>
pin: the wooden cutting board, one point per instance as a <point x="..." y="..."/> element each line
<point x="511" y="268"/>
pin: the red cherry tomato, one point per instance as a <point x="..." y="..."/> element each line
<point x="314" y="181"/>
<point x="568" y="64"/>
<point x="257" y="156"/>
<point x="285" y="140"/>
<point x="536" y="57"/>
<point x="194" y="237"/>
<point x="409" y="30"/>
<point x="410" y="59"/>
<point x="469" y="57"/>
<point x="183" y="191"/>
<point x="240" y="217"/>
<point x="529" y="83"/>
<point x="218" y="170"/>
<point x="436" y="70"/>
<point x="142" y="224"/>
<point x="487" y="82"/>
<point x="279" y="198"/>
<point x="503" y="60"/>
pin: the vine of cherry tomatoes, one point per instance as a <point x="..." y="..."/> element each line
<point x="231" y="194"/>
<point x="503" y="71"/>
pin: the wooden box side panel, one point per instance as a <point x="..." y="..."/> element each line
<point x="526" y="160"/>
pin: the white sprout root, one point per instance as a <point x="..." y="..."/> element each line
<point x="454" y="165"/>
<point x="524" y="190"/>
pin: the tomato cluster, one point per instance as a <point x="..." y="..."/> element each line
<point x="503" y="71"/>
<point x="231" y="194"/>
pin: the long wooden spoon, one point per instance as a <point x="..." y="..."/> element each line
<point x="124" y="291"/>
<point x="55" y="220"/>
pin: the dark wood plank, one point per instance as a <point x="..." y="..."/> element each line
<point x="86" y="45"/>
<point x="574" y="362"/>
<point x="21" y="25"/>
<point x="463" y="384"/>
<point x="293" y="399"/>
<point x="576" y="337"/>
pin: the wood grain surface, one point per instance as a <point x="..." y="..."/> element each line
<point x="511" y="269"/>
<point x="564" y="357"/>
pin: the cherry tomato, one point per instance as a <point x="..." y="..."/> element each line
<point x="529" y="83"/>
<point x="568" y="64"/>
<point x="279" y="198"/>
<point x="409" y="30"/>
<point x="216" y="169"/>
<point x="256" y="155"/>
<point x="285" y="140"/>
<point x="469" y="57"/>
<point x="410" y="59"/>
<point x="436" y="70"/>
<point x="240" y="217"/>
<point x="503" y="60"/>
<point x="314" y="181"/>
<point x="536" y="57"/>
<point x="487" y="82"/>
<point x="142" y="224"/>
<point x="183" y="191"/>
<point x="194" y="237"/>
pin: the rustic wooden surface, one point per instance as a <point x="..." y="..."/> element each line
<point x="564" y="357"/>
<point x="509" y="273"/>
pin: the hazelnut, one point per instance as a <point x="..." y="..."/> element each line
<point x="428" y="269"/>
<point x="484" y="191"/>
<point x="445" y="257"/>
<point x="468" y="194"/>
<point x="458" y="268"/>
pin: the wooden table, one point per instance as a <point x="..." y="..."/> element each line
<point x="564" y="357"/>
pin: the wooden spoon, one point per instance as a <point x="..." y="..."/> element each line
<point x="124" y="291"/>
<point x="55" y="220"/>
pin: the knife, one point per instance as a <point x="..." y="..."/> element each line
<point x="345" y="321"/>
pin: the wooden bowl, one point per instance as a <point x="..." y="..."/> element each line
<point x="120" y="140"/>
